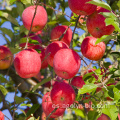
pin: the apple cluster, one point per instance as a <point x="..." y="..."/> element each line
<point x="65" y="61"/>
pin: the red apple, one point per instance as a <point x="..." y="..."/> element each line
<point x="1" y="116"/>
<point x="27" y="63"/>
<point x="38" y="77"/>
<point x="6" y="57"/>
<point x="81" y="7"/>
<point x="52" y="49"/>
<point x="48" y="107"/>
<point x="96" y="24"/>
<point x="103" y="117"/>
<point x="62" y="94"/>
<point x="40" y="18"/>
<point x="66" y="63"/>
<point x="58" y="31"/>
<point x="78" y="82"/>
<point x="92" y="51"/>
<point x="44" y="63"/>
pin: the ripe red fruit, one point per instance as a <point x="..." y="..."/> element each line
<point x="27" y="63"/>
<point x="44" y="63"/>
<point x="58" y="31"/>
<point x="96" y="24"/>
<point x="48" y="107"/>
<point x="39" y="21"/>
<point x="6" y="57"/>
<point x="52" y="49"/>
<point x="1" y="116"/>
<point x="103" y="117"/>
<point x="66" y="63"/>
<point x="78" y="82"/>
<point x="81" y="7"/>
<point x="92" y="51"/>
<point x="62" y="94"/>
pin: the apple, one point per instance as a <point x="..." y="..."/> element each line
<point x="48" y="107"/>
<point x="92" y="51"/>
<point x="62" y="94"/>
<point x="96" y="24"/>
<point x="6" y="57"/>
<point x="81" y="7"/>
<point x="66" y="63"/>
<point x="1" y="116"/>
<point x="52" y="49"/>
<point x="27" y="63"/>
<point x="38" y="77"/>
<point x="58" y="31"/>
<point x="103" y="117"/>
<point x="77" y="81"/>
<point x="44" y="63"/>
<point x="40" y="18"/>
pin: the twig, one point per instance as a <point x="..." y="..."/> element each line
<point x="74" y="31"/>
<point x="47" y="118"/>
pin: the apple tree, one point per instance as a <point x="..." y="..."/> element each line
<point x="61" y="59"/>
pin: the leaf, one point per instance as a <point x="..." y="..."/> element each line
<point x="3" y="90"/>
<point x="117" y="73"/>
<point x="92" y="115"/>
<point x="12" y="1"/>
<point x="101" y="4"/>
<point x="28" y="105"/>
<point x="20" y="99"/>
<point x="110" y="110"/>
<point x="118" y="4"/>
<point x="87" y="88"/>
<point x="20" y="8"/>
<point x="79" y="112"/>
<point x="32" y="109"/>
<point x="7" y="32"/>
<point x="2" y="79"/>
<point x="104" y="38"/>
<point x="14" y="50"/>
<point x="41" y="83"/>
<point x="116" y="93"/>
<point x="9" y="17"/>
<point x="26" y="2"/>
<point x="108" y="15"/>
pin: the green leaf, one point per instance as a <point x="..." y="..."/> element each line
<point x="87" y="88"/>
<point x="101" y="4"/>
<point x="79" y="112"/>
<point x="116" y="93"/>
<point x="14" y="50"/>
<point x="28" y="105"/>
<point x="117" y="73"/>
<point x="12" y="1"/>
<point x="26" y="2"/>
<point x="20" y="8"/>
<point x="104" y="38"/>
<point x="108" y="15"/>
<point x="41" y="83"/>
<point x="7" y="32"/>
<point x="32" y="109"/>
<point x="20" y="99"/>
<point x="92" y="115"/>
<point x="9" y="17"/>
<point x="118" y="4"/>
<point x="110" y="110"/>
<point x="3" y="90"/>
<point x="2" y="79"/>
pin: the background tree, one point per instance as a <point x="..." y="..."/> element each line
<point x="100" y="91"/>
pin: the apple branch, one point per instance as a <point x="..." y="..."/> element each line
<point x="74" y="32"/>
